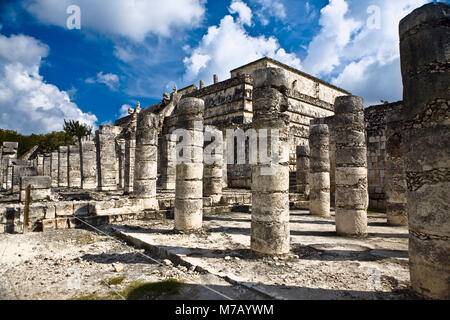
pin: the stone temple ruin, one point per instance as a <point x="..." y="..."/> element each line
<point x="333" y="156"/>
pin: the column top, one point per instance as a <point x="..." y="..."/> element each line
<point x="424" y="14"/>
<point x="271" y="77"/>
<point x="348" y="104"/>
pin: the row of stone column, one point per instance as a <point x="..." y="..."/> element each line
<point x="270" y="181"/>
<point x="72" y="166"/>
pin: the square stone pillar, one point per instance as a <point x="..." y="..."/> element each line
<point x="54" y="169"/>
<point x="62" y="166"/>
<point x="106" y="159"/>
<point x="47" y="164"/>
<point x="74" y="167"/>
<point x="88" y="165"/>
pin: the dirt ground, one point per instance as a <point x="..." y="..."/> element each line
<point x="70" y="264"/>
<point x="321" y="264"/>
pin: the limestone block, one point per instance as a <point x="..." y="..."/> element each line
<point x="81" y="208"/>
<point x="63" y="166"/>
<point x="64" y="208"/>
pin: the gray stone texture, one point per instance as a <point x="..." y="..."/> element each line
<point x="121" y="147"/>
<point x="302" y="173"/>
<point x="189" y="174"/>
<point x="319" y="144"/>
<point x="40" y="164"/>
<point x="47" y="165"/>
<point x="54" y="169"/>
<point x="168" y="166"/>
<point x="74" y="167"/>
<point x="41" y="187"/>
<point x="63" y="153"/>
<point x="352" y="198"/>
<point x="88" y="165"/>
<point x="130" y="151"/>
<point x="18" y="171"/>
<point x="213" y="172"/>
<point x="270" y="191"/>
<point x="424" y="48"/>
<point x="106" y="159"/>
<point x="145" y="170"/>
<point x="395" y="171"/>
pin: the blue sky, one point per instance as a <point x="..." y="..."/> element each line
<point x="135" y="50"/>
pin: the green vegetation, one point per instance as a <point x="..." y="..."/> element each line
<point x="46" y="142"/>
<point x="115" y="281"/>
<point x="151" y="290"/>
<point x="139" y="291"/>
<point x="76" y="129"/>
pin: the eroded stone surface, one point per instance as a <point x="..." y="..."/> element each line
<point x="352" y="198"/>
<point x="424" y="43"/>
<point x="319" y="142"/>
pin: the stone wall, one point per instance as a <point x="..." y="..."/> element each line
<point x="375" y="118"/>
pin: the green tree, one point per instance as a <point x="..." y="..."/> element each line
<point x="46" y="142"/>
<point x="76" y="129"/>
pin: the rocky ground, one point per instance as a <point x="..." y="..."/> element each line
<point x="71" y="264"/>
<point x="321" y="265"/>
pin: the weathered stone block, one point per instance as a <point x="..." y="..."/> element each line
<point x="64" y="208"/>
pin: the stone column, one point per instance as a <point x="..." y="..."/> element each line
<point x="9" y="176"/>
<point x="146" y="170"/>
<point x="225" y="164"/>
<point x="270" y="179"/>
<point x="47" y="164"/>
<point x="74" y="167"/>
<point x="319" y="144"/>
<point x="212" y="168"/>
<point x="302" y="173"/>
<point x="130" y="149"/>
<point x="62" y="166"/>
<point x="106" y="159"/>
<point x="395" y="178"/>
<point x="424" y="47"/>
<point x="168" y="167"/>
<point x="121" y="145"/>
<point x="88" y="165"/>
<point x="189" y="169"/>
<point x="40" y="164"/>
<point x="54" y="169"/>
<point x="352" y="196"/>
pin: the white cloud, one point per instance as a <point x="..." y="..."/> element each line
<point x="325" y="49"/>
<point x="109" y="79"/>
<point x="124" y="110"/>
<point x="124" y="53"/>
<point x="244" y="12"/>
<point x="134" y="19"/>
<point x="270" y="8"/>
<point x="228" y="46"/>
<point x="356" y="54"/>
<point x="27" y="103"/>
